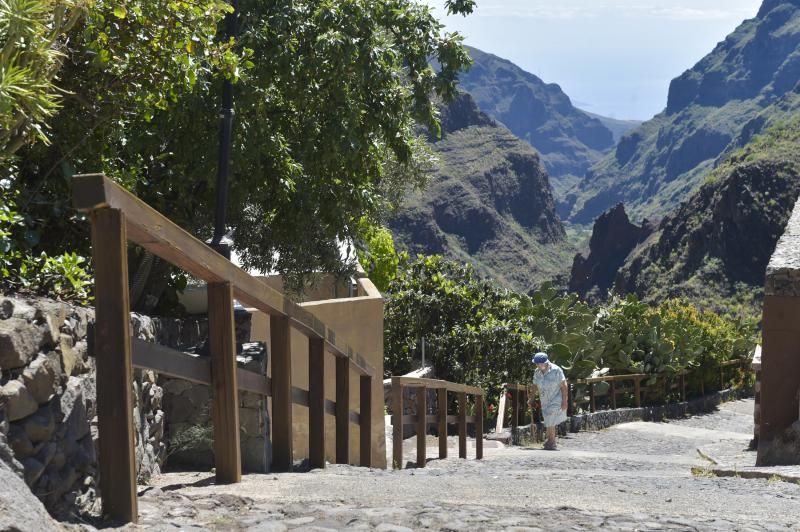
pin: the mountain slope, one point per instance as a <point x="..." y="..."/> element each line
<point x="617" y="127"/>
<point x="715" y="248"/>
<point x="657" y="165"/>
<point x="567" y="139"/>
<point x="489" y="203"/>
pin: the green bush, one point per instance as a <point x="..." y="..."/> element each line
<point x="484" y="335"/>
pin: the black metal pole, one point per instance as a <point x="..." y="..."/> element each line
<point x="219" y="241"/>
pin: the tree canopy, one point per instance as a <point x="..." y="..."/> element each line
<point x="329" y="97"/>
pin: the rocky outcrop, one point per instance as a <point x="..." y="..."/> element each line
<point x="613" y="238"/>
<point x="728" y="96"/>
<point x="489" y="202"/>
<point x="568" y="139"/>
<point x="714" y="249"/>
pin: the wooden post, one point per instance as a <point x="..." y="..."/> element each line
<point x="441" y="399"/>
<point x="422" y="425"/>
<point x="683" y="387"/>
<point x="224" y="388"/>
<point x="365" y="417"/>
<point x="397" y="423"/>
<point x="570" y="409"/>
<point x="114" y="370"/>
<point x="637" y="390"/>
<point x="592" y="406"/>
<point x="613" y="395"/>
<point x="722" y="377"/>
<point x="462" y="425"/>
<point x="316" y="402"/>
<point x="523" y="405"/>
<point x="342" y="410"/>
<point x="280" y="340"/>
<point x="514" y="413"/>
<point x="479" y="427"/>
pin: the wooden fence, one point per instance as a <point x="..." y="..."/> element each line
<point x="119" y="217"/>
<point x="628" y="385"/>
<point x="441" y="419"/>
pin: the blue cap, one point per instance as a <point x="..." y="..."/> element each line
<point x="540" y="358"/>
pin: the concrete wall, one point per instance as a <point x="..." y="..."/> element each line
<point x="779" y="392"/>
<point x="358" y="322"/>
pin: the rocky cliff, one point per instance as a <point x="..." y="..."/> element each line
<point x="613" y="238"/>
<point x="710" y="106"/>
<point x="567" y="139"/>
<point x="715" y="247"/>
<point x="488" y="202"/>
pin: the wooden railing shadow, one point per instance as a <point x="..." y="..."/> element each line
<point x="118" y="217"/>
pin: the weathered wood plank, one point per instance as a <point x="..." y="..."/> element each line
<point x="173" y="363"/>
<point x="224" y="388"/>
<point x="397" y="423"/>
<point x="365" y="445"/>
<point x="342" y="411"/>
<point x="441" y="399"/>
<point x="479" y="427"/>
<point x="462" y="425"/>
<point x="114" y="368"/>
<point x="156" y="233"/>
<point x="422" y="426"/>
<point x="316" y="402"/>
<point x="280" y="341"/>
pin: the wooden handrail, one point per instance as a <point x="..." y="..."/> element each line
<point x="518" y="390"/>
<point x="119" y="217"/>
<point x="422" y="420"/>
<point x="158" y="234"/>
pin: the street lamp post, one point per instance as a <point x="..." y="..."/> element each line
<point x="220" y="242"/>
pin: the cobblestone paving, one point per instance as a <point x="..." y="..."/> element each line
<point x="631" y="477"/>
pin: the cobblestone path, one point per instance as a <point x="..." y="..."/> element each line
<point x="636" y="476"/>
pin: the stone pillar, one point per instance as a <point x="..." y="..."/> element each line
<point x="779" y="393"/>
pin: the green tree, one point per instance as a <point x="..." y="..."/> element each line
<point x="330" y="96"/>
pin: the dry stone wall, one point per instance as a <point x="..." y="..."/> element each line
<point x="48" y="402"/>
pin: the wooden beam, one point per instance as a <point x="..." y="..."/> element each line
<point x="342" y="411"/>
<point x="462" y="425"/>
<point x="441" y="399"/>
<point x="170" y="362"/>
<point x="316" y="402"/>
<point x="150" y="229"/>
<point x="592" y="406"/>
<point x="173" y="363"/>
<point x="397" y="423"/>
<point x="224" y="389"/>
<point x="422" y="425"/>
<point x="114" y="368"/>
<point x="280" y="340"/>
<point x="330" y="407"/>
<point x="479" y="427"/>
<point x="614" y="395"/>
<point x="365" y="445"/>
<point x="637" y="390"/>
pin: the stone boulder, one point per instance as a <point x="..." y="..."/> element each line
<point x="17" y="401"/>
<point x="19" y="342"/>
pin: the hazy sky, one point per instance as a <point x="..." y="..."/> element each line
<point x="612" y="57"/>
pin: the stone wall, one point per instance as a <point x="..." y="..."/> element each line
<point x="48" y="402"/>
<point x="189" y="428"/>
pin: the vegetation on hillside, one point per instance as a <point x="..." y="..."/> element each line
<point x="479" y="333"/>
<point x="328" y="97"/>
<point x="488" y="202"/>
<point x="568" y="139"/>
<point x="715" y="248"/>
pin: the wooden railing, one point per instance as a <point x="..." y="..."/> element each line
<point x="630" y="385"/>
<point x="441" y="419"/>
<point x="117" y="217"/>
